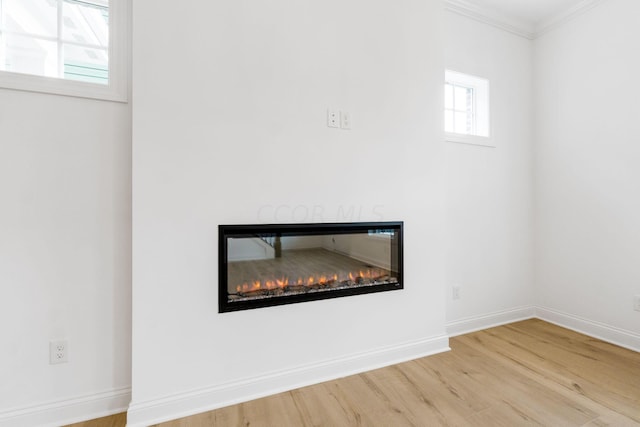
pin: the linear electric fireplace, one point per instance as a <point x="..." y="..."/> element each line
<point x="275" y="264"/>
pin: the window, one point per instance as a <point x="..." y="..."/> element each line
<point x="466" y="108"/>
<point x="70" y="47"/>
<point x="459" y="109"/>
<point x="381" y="233"/>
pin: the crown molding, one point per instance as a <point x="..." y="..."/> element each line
<point x="562" y="18"/>
<point x="515" y="26"/>
<point x="490" y="17"/>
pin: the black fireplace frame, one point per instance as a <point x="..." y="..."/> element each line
<point x="226" y="231"/>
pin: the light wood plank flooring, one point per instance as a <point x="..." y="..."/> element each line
<point x="118" y="420"/>
<point x="524" y="374"/>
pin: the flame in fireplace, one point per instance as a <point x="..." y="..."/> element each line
<point x="284" y="282"/>
<point x="243" y="288"/>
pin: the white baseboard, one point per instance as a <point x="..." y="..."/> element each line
<point x="210" y="398"/>
<point x="610" y="334"/>
<point x="485" y="321"/>
<point x="68" y="411"/>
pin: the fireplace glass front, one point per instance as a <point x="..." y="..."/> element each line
<point x="275" y="264"/>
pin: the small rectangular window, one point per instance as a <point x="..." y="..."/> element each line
<point x="56" y="38"/>
<point x="77" y="46"/>
<point x="466" y="108"/>
<point x="459" y="109"/>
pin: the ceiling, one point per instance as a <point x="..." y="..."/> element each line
<point x="528" y="18"/>
<point x="532" y="12"/>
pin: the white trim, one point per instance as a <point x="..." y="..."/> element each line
<point x="118" y="87"/>
<point x="206" y="399"/>
<point x="601" y="331"/>
<point x="490" y="17"/>
<point x="120" y="48"/>
<point x="518" y="27"/>
<point x="560" y="19"/>
<point x="610" y="334"/>
<point x="491" y="320"/>
<point x="68" y="411"/>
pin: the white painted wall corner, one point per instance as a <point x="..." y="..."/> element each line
<point x="491" y="320"/>
<point x="610" y="334"/>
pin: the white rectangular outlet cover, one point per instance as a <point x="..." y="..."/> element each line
<point x="333" y="118"/>
<point x="58" y="352"/>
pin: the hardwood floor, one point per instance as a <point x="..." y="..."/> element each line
<point x="526" y="373"/>
<point x="118" y="420"/>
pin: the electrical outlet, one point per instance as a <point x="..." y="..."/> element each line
<point x="333" y="118"/>
<point x="345" y="120"/>
<point x="636" y="303"/>
<point x="58" y="352"/>
<point x="455" y="292"/>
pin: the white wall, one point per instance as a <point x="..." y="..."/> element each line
<point x="301" y="242"/>
<point x="489" y="190"/>
<point x="587" y="173"/>
<point x="244" y="249"/>
<point x="65" y="256"/>
<point x="244" y="93"/>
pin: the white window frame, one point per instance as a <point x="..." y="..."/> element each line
<point x="481" y="109"/>
<point x="118" y="87"/>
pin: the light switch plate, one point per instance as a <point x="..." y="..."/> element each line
<point x="345" y="120"/>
